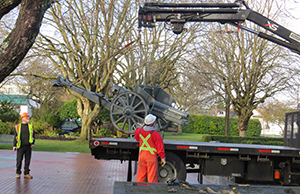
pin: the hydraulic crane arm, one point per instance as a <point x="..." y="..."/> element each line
<point x="177" y="14"/>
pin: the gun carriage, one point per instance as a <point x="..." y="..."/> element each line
<point x="129" y="108"/>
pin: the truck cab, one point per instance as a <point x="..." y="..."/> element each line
<point x="291" y="129"/>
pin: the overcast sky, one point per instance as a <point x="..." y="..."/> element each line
<point x="293" y="6"/>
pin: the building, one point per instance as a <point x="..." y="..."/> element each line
<point x="222" y="113"/>
<point x="268" y="128"/>
<point x="14" y="95"/>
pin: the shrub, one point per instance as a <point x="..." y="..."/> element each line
<point x="244" y="140"/>
<point x="7" y="112"/>
<point x="204" y="124"/>
<point x="5" y="128"/>
<point x="72" y="135"/>
<point x="37" y="126"/>
<point x="50" y="133"/>
<point x="69" y="110"/>
<point x="104" y="133"/>
<point x="52" y="119"/>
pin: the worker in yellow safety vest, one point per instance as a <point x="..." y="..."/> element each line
<point x="23" y="143"/>
<point x="151" y="145"/>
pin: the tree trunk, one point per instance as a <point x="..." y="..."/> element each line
<point x="227" y="118"/>
<point x="86" y="122"/>
<point x="243" y="125"/>
<point x="243" y="133"/>
<point x="179" y="131"/>
<point x="87" y="114"/>
<point x="16" y="45"/>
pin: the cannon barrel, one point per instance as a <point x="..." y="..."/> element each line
<point x="169" y="113"/>
<point x="97" y="98"/>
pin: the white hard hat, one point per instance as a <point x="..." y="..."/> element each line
<point x="149" y="119"/>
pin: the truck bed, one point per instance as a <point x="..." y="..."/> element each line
<point x="203" y="147"/>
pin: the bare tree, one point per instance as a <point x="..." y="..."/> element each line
<point x="34" y="76"/>
<point x="88" y="32"/>
<point x="274" y="112"/>
<point x="244" y="67"/>
<point x="16" y="45"/>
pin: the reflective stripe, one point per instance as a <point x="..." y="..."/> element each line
<point x="18" y="130"/>
<point x="145" y="143"/>
<point x="18" y="136"/>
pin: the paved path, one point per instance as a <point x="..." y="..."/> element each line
<point x="61" y="173"/>
<point x="64" y="173"/>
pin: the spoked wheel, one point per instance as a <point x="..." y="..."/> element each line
<point x="127" y="112"/>
<point x="162" y="124"/>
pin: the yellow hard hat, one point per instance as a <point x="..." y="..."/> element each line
<point x="25" y="114"/>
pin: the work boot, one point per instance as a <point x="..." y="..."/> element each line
<point x="18" y="176"/>
<point x="28" y="176"/>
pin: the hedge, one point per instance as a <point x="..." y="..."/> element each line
<point x="244" y="140"/>
<point x="204" y="124"/>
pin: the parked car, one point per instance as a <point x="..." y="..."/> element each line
<point x="71" y="126"/>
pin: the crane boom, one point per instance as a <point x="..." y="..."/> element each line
<point x="232" y="13"/>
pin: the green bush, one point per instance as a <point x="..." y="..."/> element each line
<point x="5" y="128"/>
<point x="50" y="133"/>
<point x="69" y="110"/>
<point x="37" y="126"/>
<point x="204" y="124"/>
<point x="52" y="119"/>
<point x="244" y="140"/>
<point x="7" y="112"/>
<point x="104" y="115"/>
<point x="72" y="135"/>
<point x="104" y="133"/>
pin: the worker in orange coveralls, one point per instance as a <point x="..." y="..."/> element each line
<point x="151" y="144"/>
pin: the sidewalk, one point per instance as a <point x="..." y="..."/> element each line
<point x="64" y="173"/>
<point x="61" y="173"/>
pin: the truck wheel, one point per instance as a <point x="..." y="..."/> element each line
<point x="173" y="169"/>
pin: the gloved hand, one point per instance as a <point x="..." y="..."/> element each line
<point x="163" y="161"/>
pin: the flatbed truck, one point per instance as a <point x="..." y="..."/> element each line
<point x="245" y="162"/>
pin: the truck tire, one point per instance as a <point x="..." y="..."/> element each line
<point x="173" y="169"/>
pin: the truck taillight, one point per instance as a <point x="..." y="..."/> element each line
<point x="96" y="143"/>
<point x="228" y="149"/>
<point x="277" y="174"/>
<point x="270" y="151"/>
<point x="109" y="143"/>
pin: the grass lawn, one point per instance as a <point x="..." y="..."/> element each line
<point x="183" y="137"/>
<point x="83" y="147"/>
<point x="56" y="146"/>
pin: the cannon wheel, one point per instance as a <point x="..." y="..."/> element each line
<point x="127" y="111"/>
<point x="162" y="123"/>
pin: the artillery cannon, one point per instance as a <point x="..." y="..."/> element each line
<point x="129" y="108"/>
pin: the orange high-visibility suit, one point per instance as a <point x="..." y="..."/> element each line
<point x="151" y="144"/>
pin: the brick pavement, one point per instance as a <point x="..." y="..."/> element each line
<point x="64" y="173"/>
<point x="61" y="173"/>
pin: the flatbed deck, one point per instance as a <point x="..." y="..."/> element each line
<point x="207" y="147"/>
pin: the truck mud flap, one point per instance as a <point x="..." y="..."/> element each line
<point x="260" y="171"/>
<point x="224" y="166"/>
